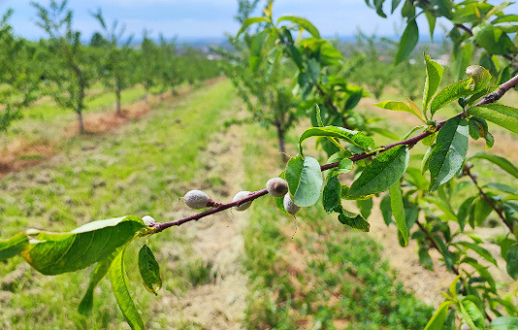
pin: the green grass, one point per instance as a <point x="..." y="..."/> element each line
<point x="138" y="170"/>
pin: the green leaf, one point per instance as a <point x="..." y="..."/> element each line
<point x="250" y="21"/>
<point x="512" y="261"/>
<point x="119" y="281"/>
<point x="479" y="250"/>
<point x="493" y="39"/>
<point x="481" y="77"/>
<point x="499" y="114"/>
<point x="353" y="220"/>
<point x="451" y="93"/>
<point x="386" y="209"/>
<point x="461" y="59"/>
<point x="439" y="317"/>
<point x="303" y="23"/>
<point x="501" y="162"/>
<point x="365" y="207"/>
<point x="463" y="211"/>
<point x="408" y="41"/>
<point x="471" y="314"/>
<point x="449" y="152"/>
<point x="398" y="210"/>
<point x="304" y="180"/>
<point x="101" y="269"/>
<point x="52" y="254"/>
<point x="256" y="48"/>
<point x="433" y="80"/>
<point x="12" y="246"/>
<point x="504" y="323"/>
<point x="432" y="20"/>
<point x="484" y="273"/>
<point x="399" y="106"/>
<point x="384" y="132"/>
<point x="332" y="194"/>
<point x="425" y="259"/>
<point x="354" y="137"/>
<point x="149" y="270"/>
<point x="382" y="173"/>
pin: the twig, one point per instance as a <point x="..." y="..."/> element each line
<point x="489" y="98"/>
<point x="489" y="200"/>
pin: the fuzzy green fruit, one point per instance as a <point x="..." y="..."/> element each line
<point x="277" y="187"/>
<point x="240" y="195"/>
<point x="196" y="199"/>
<point x="289" y="206"/>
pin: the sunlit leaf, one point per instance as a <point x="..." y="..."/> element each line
<point x="53" y="254"/>
<point x="439" y="317"/>
<point x="12" y="246"/>
<point x="149" y="269"/>
<point x="303" y="23"/>
<point x="433" y="80"/>
<point x="398" y="210"/>
<point x="332" y="194"/>
<point x="119" y="281"/>
<point x="354" y="137"/>
<point x="408" y="41"/>
<point x="382" y="173"/>
<point x="304" y="180"/>
<point x="502" y="115"/>
<point x="449" y="152"/>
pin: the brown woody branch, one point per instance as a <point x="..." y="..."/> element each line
<point x="489" y="98"/>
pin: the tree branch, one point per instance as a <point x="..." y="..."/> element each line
<point x="489" y="98"/>
<point x="489" y="200"/>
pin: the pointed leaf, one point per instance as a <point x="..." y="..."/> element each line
<point x="303" y="23"/>
<point x="499" y="114"/>
<point x="433" y="80"/>
<point x="119" y="281"/>
<point x="12" y="246"/>
<point x="354" y="137"/>
<point x="449" y="152"/>
<point x="501" y="162"/>
<point x="101" y="269"/>
<point x="250" y="21"/>
<point x="256" y="48"/>
<point x="398" y="210"/>
<point x="512" y="261"/>
<point x="399" y="106"/>
<point x="386" y="209"/>
<point x="504" y="323"/>
<point x="479" y="250"/>
<point x="471" y="314"/>
<point x="382" y="173"/>
<point x="492" y="39"/>
<point x="53" y="254"/>
<point x="439" y="317"/>
<point x="332" y="194"/>
<point x="304" y="180"/>
<point x="353" y="220"/>
<point x="451" y="93"/>
<point x="149" y="270"/>
<point x="408" y="41"/>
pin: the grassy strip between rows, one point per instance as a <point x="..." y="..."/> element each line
<point x="312" y="272"/>
<point x="141" y="169"/>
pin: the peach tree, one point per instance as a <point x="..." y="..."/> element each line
<point x="435" y="198"/>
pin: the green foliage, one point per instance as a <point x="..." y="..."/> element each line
<point x="149" y="269"/>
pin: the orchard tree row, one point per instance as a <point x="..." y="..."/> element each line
<point x="65" y="68"/>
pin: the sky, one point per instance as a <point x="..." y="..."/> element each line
<point x="207" y="18"/>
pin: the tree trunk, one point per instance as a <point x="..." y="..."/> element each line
<point x="80" y="120"/>
<point x="118" y="97"/>
<point x="280" y="136"/>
